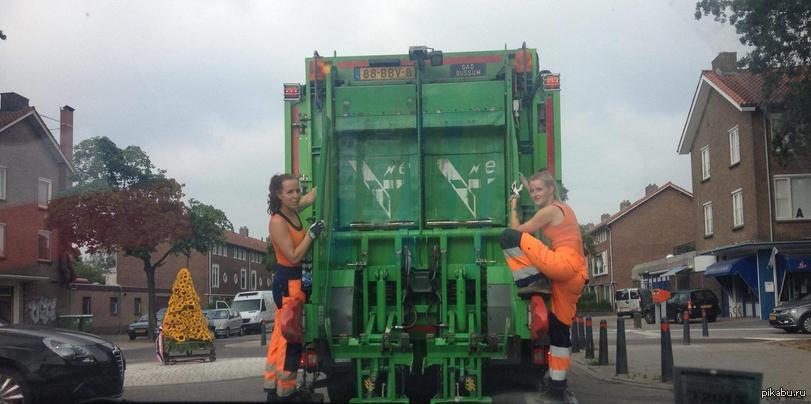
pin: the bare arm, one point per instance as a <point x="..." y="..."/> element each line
<point x="542" y="218"/>
<point x="307" y="199"/>
<point x="280" y="235"/>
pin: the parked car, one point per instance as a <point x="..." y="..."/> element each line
<point x="225" y="322"/>
<point x="633" y="300"/>
<point x="47" y="365"/>
<point x="255" y="307"/>
<point x="139" y="327"/>
<point x="792" y="316"/>
<point x="681" y="300"/>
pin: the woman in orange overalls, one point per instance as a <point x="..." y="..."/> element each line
<point x="564" y="264"/>
<point x="290" y="242"/>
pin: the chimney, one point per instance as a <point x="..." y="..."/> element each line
<point x="625" y="204"/>
<point x="243" y="231"/>
<point x="725" y="62"/>
<point x="10" y="102"/>
<point x="604" y="217"/>
<point x="651" y="188"/>
<point x="66" y="132"/>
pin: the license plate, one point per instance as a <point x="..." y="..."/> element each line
<point x="384" y="73"/>
<point x="706" y="306"/>
<point x="772" y="317"/>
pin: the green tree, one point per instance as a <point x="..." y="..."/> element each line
<point x="121" y="202"/>
<point x="94" y="267"/>
<point x="778" y="31"/>
<point x="588" y="240"/>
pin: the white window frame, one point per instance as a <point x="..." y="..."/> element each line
<point x="787" y="198"/>
<point x="708" y="222"/>
<point x="2" y="240"/>
<point x="737" y="208"/>
<point x="253" y="279"/>
<point x="50" y="191"/>
<point x="47" y="235"/>
<point x="602" y="267"/>
<point x="3" y="180"/>
<point x="115" y="306"/>
<point x="243" y="278"/>
<point x="215" y="275"/>
<point x="734" y="146"/>
<point x="705" y="163"/>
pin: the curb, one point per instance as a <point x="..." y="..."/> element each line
<point x="621" y="380"/>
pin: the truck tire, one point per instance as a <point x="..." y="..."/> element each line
<point x="341" y="386"/>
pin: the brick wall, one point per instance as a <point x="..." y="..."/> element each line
<point x="650" y="231"/>
<point x="130" y="271"/>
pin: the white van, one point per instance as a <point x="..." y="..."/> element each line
<point x="254" y="308"/>
<point x="632" y="300"/>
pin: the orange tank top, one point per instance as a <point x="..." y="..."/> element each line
<point x="567" y="233"/>
<point x="297" y="234"/>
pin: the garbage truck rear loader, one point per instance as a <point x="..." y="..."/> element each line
<point x="414" y="156"/>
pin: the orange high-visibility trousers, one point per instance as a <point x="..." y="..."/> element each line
<point x="282" y="361"/>
<point x="529" y="259"/>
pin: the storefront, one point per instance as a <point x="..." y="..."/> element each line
<point x="794" y="275"/>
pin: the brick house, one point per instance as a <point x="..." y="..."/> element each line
<point x="653" y="227"/>
<point x="33" y="167"/>
<point x="219" y="275"/>
<point x="750" y="210"/>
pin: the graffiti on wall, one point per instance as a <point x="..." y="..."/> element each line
<point x="42" y="310"/>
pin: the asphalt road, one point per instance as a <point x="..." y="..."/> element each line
<point x="585" y="387"/>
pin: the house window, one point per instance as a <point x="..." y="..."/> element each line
<point x="734" y="147"/>
<point x="87" y="305"/>
<point x="136" y="306"/>
<point x="602" y="236"/>
<point x="219" y="249"/>
<point x="44" y="192"/>
<point x="113" y="306"/>
<point x="243" y="278"/>
<point x="737" y="208"/>
<point x="705" y="163"/>
<point x="708" y="219"/>
<point x="2" y="182"/>
<point x="792" y="197"/>
<point x="215" y="276"/>
<point x="599" y="267"/>
<point x="44" y="245"/>
<point x="2" y="240"/>
<point x="253" y="280"/>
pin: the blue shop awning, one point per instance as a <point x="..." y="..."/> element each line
<point x="744" y="267"/>
<point x="674" y="271"/>
<point x="797" y="263"/>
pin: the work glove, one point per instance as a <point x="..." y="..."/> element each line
<point x="316" y="229"/>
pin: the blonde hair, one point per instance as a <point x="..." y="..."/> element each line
<point x="548" y="180"/>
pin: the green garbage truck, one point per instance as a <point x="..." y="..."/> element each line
<point x="415" y="156"/>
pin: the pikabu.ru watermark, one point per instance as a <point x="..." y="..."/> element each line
<point x="782" y="393"/>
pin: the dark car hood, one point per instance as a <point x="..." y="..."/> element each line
<point x="69" y="336"/>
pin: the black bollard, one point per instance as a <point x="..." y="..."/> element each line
<point x="686" y="320"/>
<point x="575" y="338"/>
<point x="667" y="353"/>
<point x="622" y="353"/>
<point x="603" y="361"/>
<point x="705" y="329"/>
<point x="582" y="329"/>
<point x="589" y="339"/>
<point x="263" y="331"/>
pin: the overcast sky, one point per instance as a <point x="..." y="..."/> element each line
<point x="198" y="84"/>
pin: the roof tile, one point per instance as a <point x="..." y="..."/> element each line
<point x="9" y="117"/>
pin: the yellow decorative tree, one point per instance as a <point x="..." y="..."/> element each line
<point x="184" y="319"/>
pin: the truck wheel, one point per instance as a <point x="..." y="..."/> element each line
<point x="341" y="386"/>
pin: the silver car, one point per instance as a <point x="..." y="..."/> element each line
<point x="224" y="322"/>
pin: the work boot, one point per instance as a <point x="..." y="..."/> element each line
<point x="557" y="395"/>
<point x="542" y="286"/>
<point x="272" y="396"/>
<point x="303" y="396"/>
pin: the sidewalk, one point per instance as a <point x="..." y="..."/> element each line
<point x="780" y="361"/>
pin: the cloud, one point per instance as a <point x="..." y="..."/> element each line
<point x="198" y="84"/>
